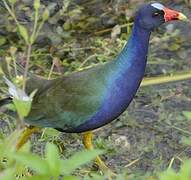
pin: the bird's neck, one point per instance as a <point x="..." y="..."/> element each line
<point x="127" y="72"/>
<point x="136" y="49"/>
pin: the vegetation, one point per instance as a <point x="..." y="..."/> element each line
<point x="51" y="38"/>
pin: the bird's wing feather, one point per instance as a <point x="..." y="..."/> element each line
<point x="70" y="100"/>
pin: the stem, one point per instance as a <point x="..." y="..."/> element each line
<point x="28" y="49"/>
<point x="51" y="70"/>
<point x="86" y="60"/>
<point x="34" y="33"/>
<point x="15" y="65"/>
<point x="11" y="12"/>
<point x="27" y="65"/>
<point x="166" y="79"/>
<point x="20" y="122"/>
<point x="39" y="28"/>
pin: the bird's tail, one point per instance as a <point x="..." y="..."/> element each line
<point x="5" y="101"/>
<point x="8" y="70"/>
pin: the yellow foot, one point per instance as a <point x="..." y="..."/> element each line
<point x="26" y="135"/>
<point x="87" y="141"/>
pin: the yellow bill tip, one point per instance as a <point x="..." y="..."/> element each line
<point x="182" y="17"/>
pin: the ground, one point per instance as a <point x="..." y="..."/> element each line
<point x="148" y="137"/>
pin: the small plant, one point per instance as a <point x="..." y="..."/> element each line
<point x="21" y="100"/>
<point x="32" y="166"/>
<point x="183" y="174"/>
<point x="185" y="170"/>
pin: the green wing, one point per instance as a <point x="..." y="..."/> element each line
<point x="68" y="101"/>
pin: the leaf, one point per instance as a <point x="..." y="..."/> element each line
<point x="67" y="25"/>
<point x="12" y="1"/>
<point x="13" y="50"/>
<point x="37" y="177"/>
<point x="21" y="100"/>
<point x="26" y="147"/>
<point x="24" y="33"/>
<point x="183" y="174"/>
<point x="78" y="159"/>
<point x="185" y="171"/>
<point x="174" y="47"/>
<point x="9" y="142"/>
<point x="7" y="174"/>
<point x="23" y="107"/>
<point x="36" y="4"/>
<point x="50" y="132"/>
<point x="71" y="178"/>
<point x="53" y="159"/>
<point x="33" y="94"/>
<point x="11" y="107"/>
<point x="2" y="40"/>
<point x="168" y="175"/>
<point x="45" y="15"/>
<point x="186" y="140"/>
<point x="33" y="161"/>
<point x="187" y="114"/>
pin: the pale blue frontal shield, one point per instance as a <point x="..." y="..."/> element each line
<point x="158" y="6"/>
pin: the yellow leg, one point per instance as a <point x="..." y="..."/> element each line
<point x="87" y="141"/>
<point x="26" y="135"/>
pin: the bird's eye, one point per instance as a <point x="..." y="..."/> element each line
<point x="156" y="14"/>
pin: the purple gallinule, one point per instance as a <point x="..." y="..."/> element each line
<point x="86" y="100"/>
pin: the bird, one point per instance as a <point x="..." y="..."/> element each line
<point x="83" y="101"/>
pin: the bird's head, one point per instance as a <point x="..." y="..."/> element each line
<point x="152" y="15"/>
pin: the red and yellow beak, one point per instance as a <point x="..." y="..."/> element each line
<point x="170" y="15"/>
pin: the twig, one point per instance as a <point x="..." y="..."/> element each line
<point x="11" y="13"/>
<point x="51" y="70"/>
<point x="179" y="129"/>
<point x="110" y="29"/>
<point x="29" y="48"/>
<point x="34" y="32"/>
<point x="166" y="79"/>
<point x="133" y="162"/>
<point x="171" y="163"/>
